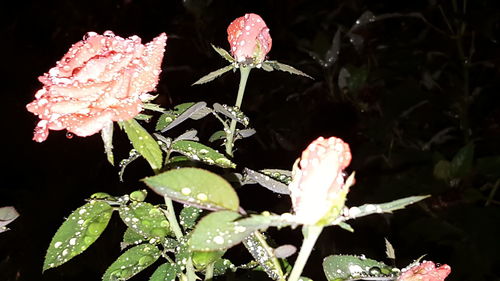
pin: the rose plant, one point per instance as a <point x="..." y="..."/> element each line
<point x="106" y="78"/>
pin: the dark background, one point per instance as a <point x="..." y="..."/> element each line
<point x="423" y="84"/>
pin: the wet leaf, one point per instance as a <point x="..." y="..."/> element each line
<point x="217" y="231"/>
<point x="153" y="107"/>
<point x="130" y="237"/>
<point x="221" y="266"/>
<point x="145" y="219"/>
<point x="389" y="250"/>
<point x="333" y="53"/>
<point x="165" y="272"/>
<point x="284" y="67"/>
<point x="132" y="156"/>
<point x="284" y="251"/>
<point x="133" y="261"/>
<point x="267" y="181"/>
<point x="195" y="187"/>
<point x="188" y="135"/>
<point x="461" y="164"/>
<point x="202" y="259"/>
<point x="368" y="209"/>
<point x="7" y="215"/>
<point x="217" y="136"/>
<point x="345" y="267"/>
<point x="234" y="113"/>
<point x="144" y="143"/>
<point x="181" y="113"/>
<point x="200" y="152"/>
<point x="189" y="216"/>
<point x="212" y="75"/>
<point x="107" y="138"/>
<point x="223" y="53"/>
<point x="257" y="246"/>
<point x="245" y="133"/>
<point x="77" y="233"/>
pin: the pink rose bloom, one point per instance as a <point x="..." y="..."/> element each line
<point x="426" y="271"/>
<point x="317" y="188"/>
<point x="249" y="39"/>
<point x="103" y="78"/>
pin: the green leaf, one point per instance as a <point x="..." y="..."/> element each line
<point x="461" y="164"/>
<point x="284" y="67"/>
<point x="107" y="138"/>
<point x="165" y="272"/>
<point x="223" y="265"/>
<point x="145" y="219"/>
<point x="442" y="170"/>
<point x="340" y="267"/>
<point x="7" y="215"/>
<point x="357" y="78"/>
<point x="368" y="209"/>
<point x="200" y="152"/>
<point x="389" y="250"/>
<point x="77" y="233"/>
<point x="212" y="75"/>
<point x="130" y="237"/>
<point x="268" y="180"/>
<point x="189" y="216"/>
<point x="257" y="246"/>
<point x="132" y="156"/>
<point x="232" y="112"/>
<point x="153" y="107"/>
<point x="217" y="231"/>
<point x="181" y="113"/>
<point x="196" y="187"/>
<point x="143" y="117"/>
<point x="217" y="136"/>
<point x="144" y="143"/>
<point x="202" y="259"/>
<point x="223" y="53"/>
<point x="133" y="261"/>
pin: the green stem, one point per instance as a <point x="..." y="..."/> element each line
<point x="311" y="234"/>
<point x="174" y="224"/>
<point x="244" y="72"/>
<point x="172" y="218"/>
<point x="209" y="273"/>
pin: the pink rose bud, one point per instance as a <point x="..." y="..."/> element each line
<point x="426" y="271"/>
<point x="249" y="39"/>
<point x="317" y="189"/>
<point x="103" y="78"/>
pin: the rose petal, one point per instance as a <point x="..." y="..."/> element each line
<point x="249" y="38"/>
<point x="101" y="79"/>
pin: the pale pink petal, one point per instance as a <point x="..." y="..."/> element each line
<point x="249" y="38"/>
<point x="101" y="79"/>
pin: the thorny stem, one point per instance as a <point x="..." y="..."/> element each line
<point x="311" y="234"/>
<point x="244" y="72"/>
<point x="174" y="224"/>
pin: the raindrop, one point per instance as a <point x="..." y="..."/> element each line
<point x="69" y="135"/>
<point x="202" y="197"/>
<point x="108" y="33"/>
<point x="375" y="271"/>
<point x="88" y="35"/>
